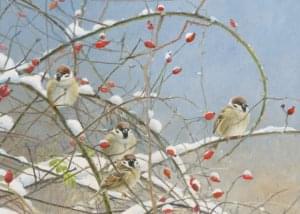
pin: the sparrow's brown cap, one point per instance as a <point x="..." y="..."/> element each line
<point x="63" y="69"/>
<point x="129" y="157"/>
<point x="123" y="125"/>
<point x="238" y="100"/>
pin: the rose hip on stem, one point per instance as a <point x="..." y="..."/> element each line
<point x="104" y="144"/>
<point x="8" y="177"/>
<point x="233" y="23"/>
<point x="35" y="61"/>
<point x="291" y="110"/>
<point x="208" y="154"/>
<point x="101" y="44"/>
<point x="189" y="37"/>
<point x="4" y="90"/>
<point x="167" y="172"/>
<point x="149" y="44"/>
<point x="209" y="115"/>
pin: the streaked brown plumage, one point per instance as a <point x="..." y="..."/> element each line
<point x="126" y="174"/>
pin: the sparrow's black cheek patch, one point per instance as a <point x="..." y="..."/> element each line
<point x="58" y="77"/>
<point x="124" y="132"/>
<point x="131" y="163"/>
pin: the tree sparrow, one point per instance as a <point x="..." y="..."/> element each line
<point x="125" y="175"/>
<point x="63" y="89"/>
<point x="233" y="119"/>
<point x="121" y="141"/>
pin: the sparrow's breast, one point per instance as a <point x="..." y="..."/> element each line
<point x="239" y="126"/>
<point x="65" y="83"/>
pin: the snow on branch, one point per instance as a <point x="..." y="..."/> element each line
<point x="6" y="123"/>
<point x="159" y="156"/>
<point x="20" y="159"/>
<point x="86" y="90"/>
<point x="35" y="81"/>
<point x="75" y="126"/>
<point x="9" y="65"/>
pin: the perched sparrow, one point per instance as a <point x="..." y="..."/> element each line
<point x="233" y="119"/>
<point x="121" y="141"/>
<point x="125" y="175"/>
<point x="63" y="89"/>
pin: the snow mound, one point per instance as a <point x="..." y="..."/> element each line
<point x="75" y="126"/>
<point x="74" y="30"/>
<point x="116" y="99"/>
<point x="6" y="123"/>
<point x="35" y="81"/>
<point x="155" y="125"/>
<point x="86" y="90"/>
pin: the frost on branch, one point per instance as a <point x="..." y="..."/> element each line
<point x="146" y="11"/>
<point x="270" y="129"/>
<point x="142" y="94"/>
<point x="107" y="22"/>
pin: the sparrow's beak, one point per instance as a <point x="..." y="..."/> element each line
<point x="125" y="133"/>
<point x="58" y="76"/>
<point x="244" y="107"/>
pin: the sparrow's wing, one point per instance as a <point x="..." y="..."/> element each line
<point x="114" y="180"/>
<point x="51" y="86"/>
<point x="72" y="93"/>
<point x="224" y="115"/>
<point x="218" y="121"/>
